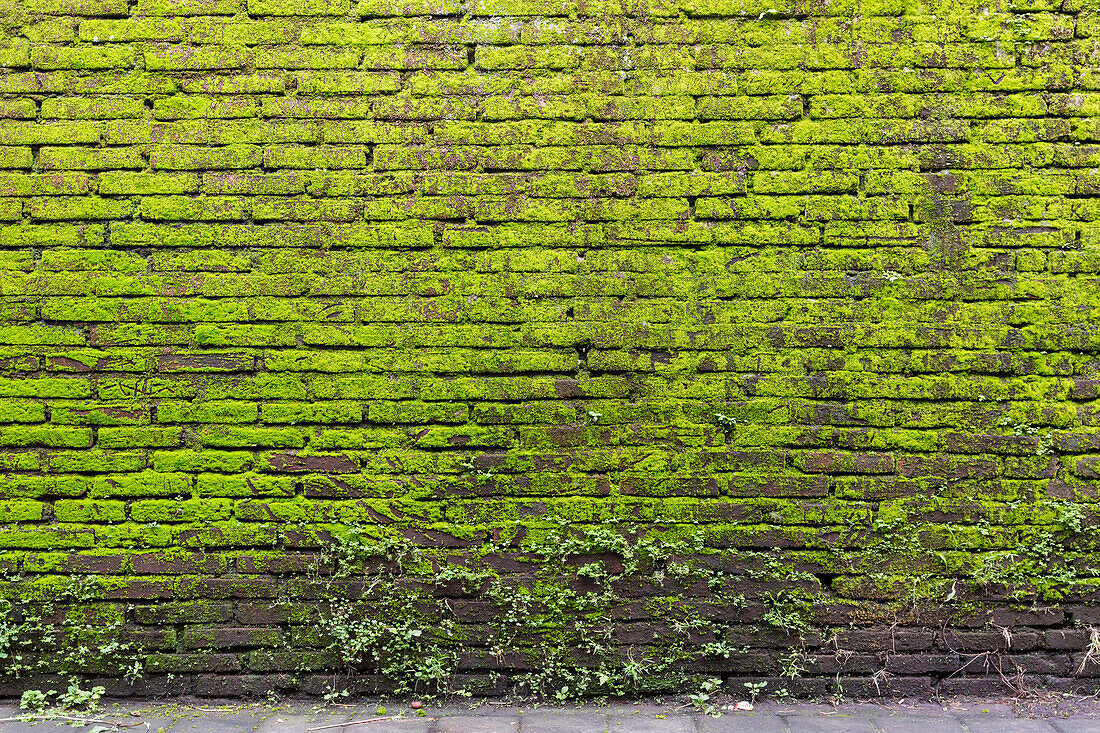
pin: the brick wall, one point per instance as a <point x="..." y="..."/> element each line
<point x="571" y="347"/>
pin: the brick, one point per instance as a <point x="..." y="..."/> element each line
<point x="82" y="158"/>
<point x="62" y="208"/>
<point x="11" y="157"/>
<point x="77" y="7"/>
<point x="127" y="183"/>
<point x="19" y="184"/>
<point x="84" y="108"/>
<point x="296" y="57"/>
<point x="339" y="108"/>
<point x="89" y="511"/>
<point x="194" y="58"/>
<point x="68" y="133"/>
<point x="189" y="7"/>
<point x="183" y="208"/>
<point x="316" y="157"/>
<point x="299" y="7"/>
<point x="188" y="106"/>
<point x="235" y="83"/>
<point x="347" y="82"/>
<point x="200" y="158"/>
<point x="48" y="58"/>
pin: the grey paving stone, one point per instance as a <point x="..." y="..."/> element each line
<point x="551" y="721"/>
<point x="211" y="723"/>
<point x="912" y="709"/>
<point x="1077" y="726"/>
<point x="651" y="724"/>
<point x="404" y="725"/>
<point x="170" y="723"/>
<point x="1005" y="725"/>
<point x="472" y="724"/>
<point x="981" y="709"/>
<point x="829" y="724"/>
<point x="942" y="723"/>
<point x="299" y="723"/>
<point x="858" y="710"/>
<point x="742" y="723"/>
<point x="956" y="717"/>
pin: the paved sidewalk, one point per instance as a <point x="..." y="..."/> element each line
<point x="971" y="716"/>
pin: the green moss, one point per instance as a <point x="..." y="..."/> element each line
<point x="483" y="328"/>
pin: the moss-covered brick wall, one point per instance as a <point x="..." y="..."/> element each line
<point x="574" y="347"/>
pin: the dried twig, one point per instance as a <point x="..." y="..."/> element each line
<point x="880" y="676"/>
<point x="82" y="721"/>
<point x="1092" y="651"/>
<point x="360" y="722"/>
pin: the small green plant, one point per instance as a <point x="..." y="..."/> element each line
<point x="349" y="553"/>
<point x="794" y="665"/>
<point x="332" y="695"/>
<point x="134" y="672"/>
<point x="81" y="588"/>
<point x="787" y="610"/>
<point x="727" y="423"/>
<point x="721" y="648"/>
<point x="470" y="464"/>
<point x="838" y="693"/>
<point x="703" y="700"/>
<point x="755" y="688"/>
<point x="471" y="579"/>
<point x="76" y="698"/>
<point x="36" y="701"/>
<point x="390" y="638"/>
<point x="1070" y="517"/>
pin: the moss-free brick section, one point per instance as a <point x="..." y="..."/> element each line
<point x="662" y="329"/>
